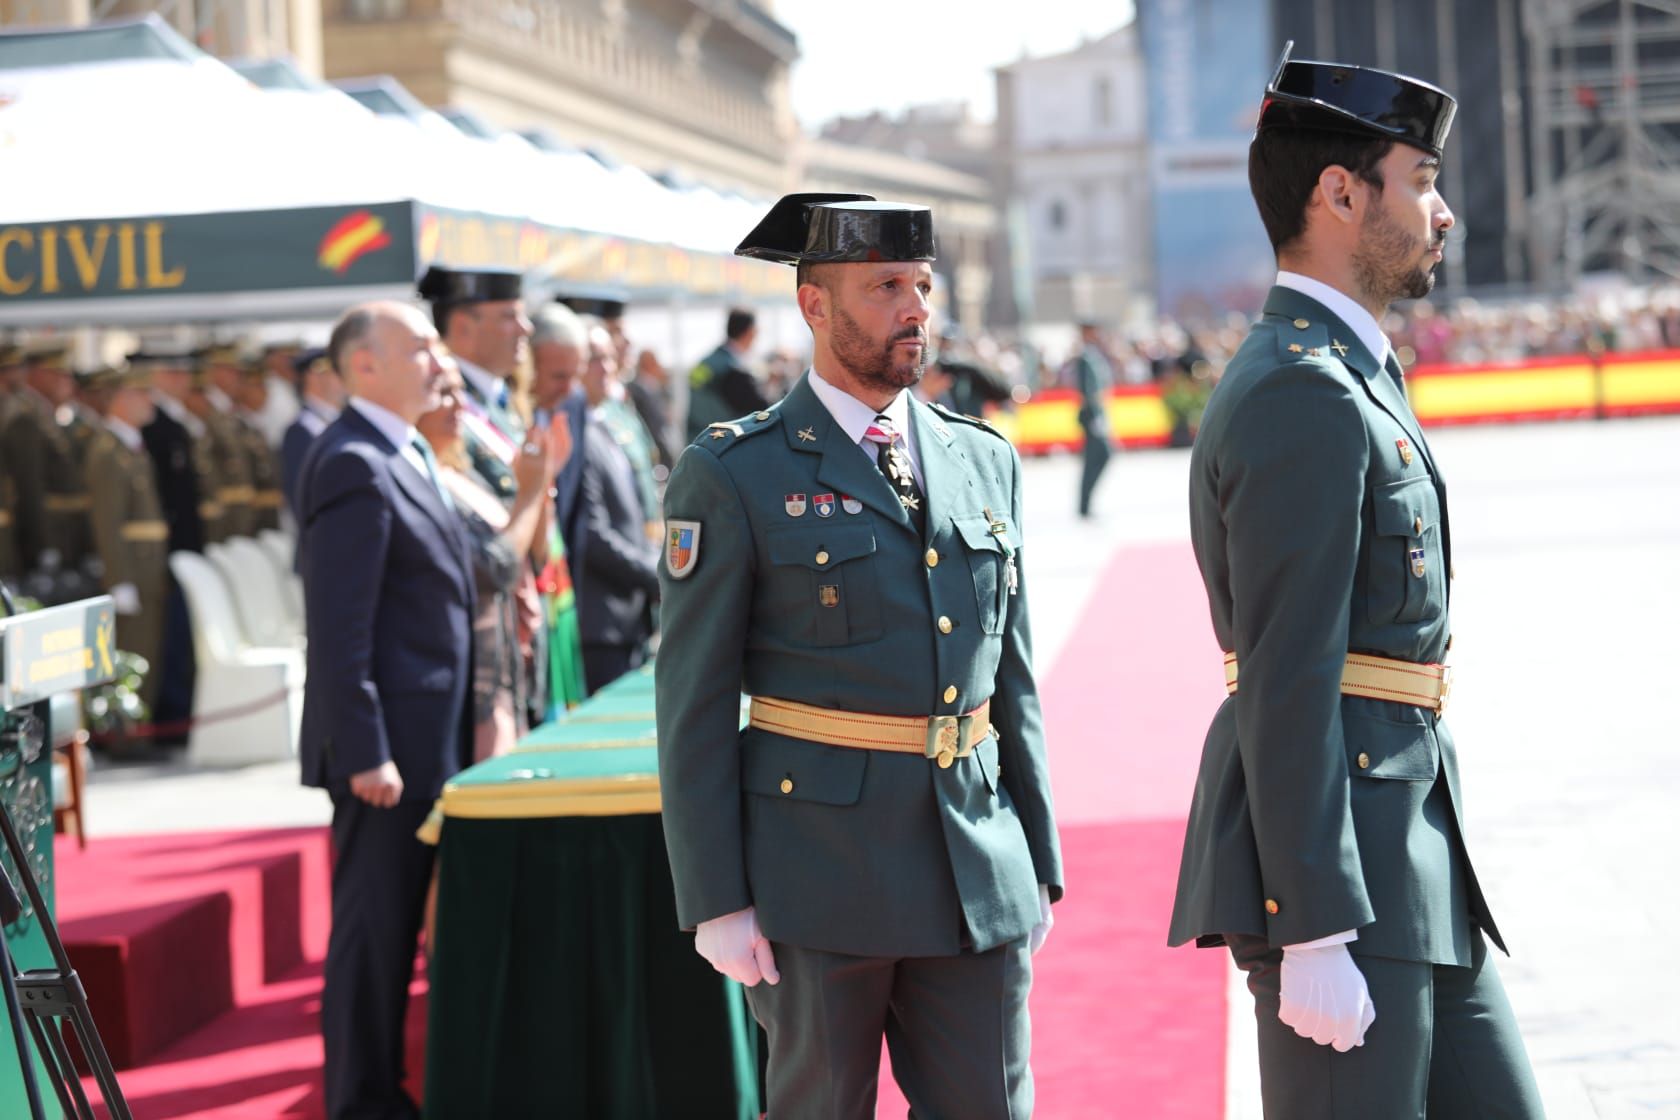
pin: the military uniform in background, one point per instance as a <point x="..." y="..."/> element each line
<point x="721" y="386"/>
<point x="1328" y="809"/>
<point x="1094" y="376"/>
<point x="11" y="364"/>
<point x="52" y="502"/>
<point x="130" y="532"/>
<point x="228" y="453"/>
<point x="619" y="416"/>
<point x="266" y="496"/>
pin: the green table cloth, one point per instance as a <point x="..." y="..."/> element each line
<point x="560" y="984"/>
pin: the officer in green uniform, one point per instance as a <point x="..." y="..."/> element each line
<point x="11" y="384"/>
<point x="876" y="850"/>
<point x="52" y="505"/>
<point x="481" y="319"/>
<point x="129" y="529"/>
<point x="249" y="408"/>
<point x="1094" y="376"/>
<point x="1325" y="845"/>
<point x="218" y="371"/>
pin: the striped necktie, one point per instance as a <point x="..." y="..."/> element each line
<point x="894" y="463"/>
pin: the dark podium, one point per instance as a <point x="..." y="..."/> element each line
<point x="560" y="984"/>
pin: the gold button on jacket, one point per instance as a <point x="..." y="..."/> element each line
<point x="944" y="625"/>
<point x="1271" y="906"/>
<point x="787" y="785"/>
<point x="950" y="693"/>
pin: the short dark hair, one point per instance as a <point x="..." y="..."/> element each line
<point x="807" y="272"/>
<point x="441" y="312"/>
<point x="1284" y="165"/>
<point x="353" y="329"/>
<point x="740" y="321"/>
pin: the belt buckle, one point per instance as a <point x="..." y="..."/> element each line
<point x="946" y="739"/>
<point x="1446" y="690"/>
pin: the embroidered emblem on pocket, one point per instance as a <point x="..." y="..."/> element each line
<point x="829" y="595"/>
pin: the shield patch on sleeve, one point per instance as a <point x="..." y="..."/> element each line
<point x="682" y="548"/>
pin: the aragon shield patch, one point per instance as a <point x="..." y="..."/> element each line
<point x="682" y="548"/>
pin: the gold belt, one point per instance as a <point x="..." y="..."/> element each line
<point x="67" y="503"/>
<point x="943" y="738"/>
<point x="235" y="495"/>
<point x="266" y="499"/>
<point x="154" y="530"/>
<point x="1427" y="685"/>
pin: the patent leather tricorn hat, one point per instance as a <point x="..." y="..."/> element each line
<point x="840" y="228"/>
<point x="1333" y="97"/>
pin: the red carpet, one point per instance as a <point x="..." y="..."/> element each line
<point x="1123" y="1027"/>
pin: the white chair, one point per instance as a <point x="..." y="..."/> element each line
<point x="282" y="550"/>
<point x="248" y="701"/>
<point x="257" y="595"/>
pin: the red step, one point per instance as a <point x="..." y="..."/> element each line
<point x="170" y="931"/>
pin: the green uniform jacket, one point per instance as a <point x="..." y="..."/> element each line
<point x="867" y="853"/>
<point x="46" y="473"/>
<point x="132" y="538"/>
<point x="1094" y="376"/>
<point x="1319" y="520"/>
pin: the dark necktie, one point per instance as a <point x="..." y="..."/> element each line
<point x="894" y="463"/>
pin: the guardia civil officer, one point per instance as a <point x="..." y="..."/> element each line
<point x="1094" y="376"/>
<point x="1325" y="845"/>
<point x="876" y="851"/>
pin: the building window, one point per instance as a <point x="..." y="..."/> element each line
<point x="375" y="9"/>
<point x="1058" y="215"/>
<point x="1102" y="102"/>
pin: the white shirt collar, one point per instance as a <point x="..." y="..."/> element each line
<point x="854" y="417"/>
<point x="1343" y="306"/>
<point x="178" y="413"/>
<point x="400" y="432"/>
<point x="219" y="400"/>
<point x="124" y="432"/>
<point x="320" y="407"/>
<point x="485" y="384"/>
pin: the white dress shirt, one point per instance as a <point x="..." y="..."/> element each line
<point x="125" y="434"/>
<point x="1344" y="307"/>
<point x="178" y="413"/>
<point x="400" y="432"/>
<point x="854" y="418"/>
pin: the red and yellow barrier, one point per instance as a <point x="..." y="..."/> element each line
<point x="1571" y="387"/>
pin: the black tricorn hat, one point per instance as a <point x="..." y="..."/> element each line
<point x="603" y="302"/>
<point x="1331" y="97"/>
<point x="456" y="285"/>
<point x="836" y="228"/>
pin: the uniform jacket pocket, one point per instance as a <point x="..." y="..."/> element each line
<point x="824" y="582"/>
<point x="1405" y="575"/>
<point x="798" y="771"/>
<point x="988" y="563"/>
<point x="1378" y="747"/>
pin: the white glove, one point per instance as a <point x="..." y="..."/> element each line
<point x="125" y="598"/>
<point x="1046" y="919"/>
<point x="1322" y="995"/>
<point x="736" y="947"/>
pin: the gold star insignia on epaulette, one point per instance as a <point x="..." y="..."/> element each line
<point x="808" y="435"/>
<point x="1315" y="352"/>
<point x="1294" y="347"/>
<point x="719" y="433"/>
<point x="1336" y="345"/>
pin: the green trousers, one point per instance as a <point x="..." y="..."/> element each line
<point x="1095" y="457"/>
<point x="1444" y="1046"/>
<point x="956" y="1029"/>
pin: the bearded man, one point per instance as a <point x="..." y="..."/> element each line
<point x="1325" y="845"/>
<point x="875" y="851"/>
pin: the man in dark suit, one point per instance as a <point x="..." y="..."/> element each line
<point x="615" y="567"/>
<point x="386" y="722"/>
<point x="721" y="387"/>
<point x="559" y="342"/>
<point x="324" y="395"/>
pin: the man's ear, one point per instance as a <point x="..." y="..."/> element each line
<point x="813" y="304"/>
<point x="1339" y="193"/>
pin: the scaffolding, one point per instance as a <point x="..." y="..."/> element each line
<point x="1604" y="81"/>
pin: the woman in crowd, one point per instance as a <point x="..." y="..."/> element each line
<point x="509" y="545"/>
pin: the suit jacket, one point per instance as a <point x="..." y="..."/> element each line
<point x="389" y="603"/>
<point x="866" y="852"/>
<point x="1319" y="519"/>
<point x="300" y="433"/>
<point x="614" y="567"/>
<point x="568" y="484"/>
<point x="174" y="469"/>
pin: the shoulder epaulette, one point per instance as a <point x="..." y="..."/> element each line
<point x="724" y="434"/>
<point x="1298" y="339"/>
<point x="972" y="421"/>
